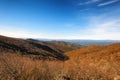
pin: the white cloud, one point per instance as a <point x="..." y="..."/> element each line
<point x="22" y="33"/>
<point x="89" y="2"/>
<point x="100" y="28"/>
<point x="19" y="33"/>
<point x="107" y="3"/>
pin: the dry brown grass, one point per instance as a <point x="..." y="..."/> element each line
<point x="104" y="60"/>
<point x="17" y="67"/>
<point x="91" y="63"/>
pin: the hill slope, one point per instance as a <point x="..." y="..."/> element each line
<point x="96" y="51"/>
<point x="103" y="59"/>
<point x="37" y="49"/>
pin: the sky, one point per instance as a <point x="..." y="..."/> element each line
<point x="60" y="19"/>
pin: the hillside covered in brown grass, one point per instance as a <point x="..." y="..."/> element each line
<point x="104" y="60"/>
<point x="88" y="63"/>
<point x="37" y="49"/>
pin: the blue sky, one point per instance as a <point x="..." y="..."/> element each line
<point x="60" y="19"/>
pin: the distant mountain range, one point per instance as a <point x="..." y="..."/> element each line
<point x="93" y="42"/>
<point x="85" y="42"/>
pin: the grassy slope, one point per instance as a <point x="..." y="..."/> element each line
<point x="104" y="59"/>
<point x="91" y="63"/>
<point x="38" y="49"/>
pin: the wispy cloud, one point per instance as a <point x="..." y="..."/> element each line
<point x="107" y="3"/>
<point x="97" y="28"/>
<point x="18" y="32"/>
<point x="100" y="28"/>
<point x="89" y="2"/>
<point x="22" y="33"/>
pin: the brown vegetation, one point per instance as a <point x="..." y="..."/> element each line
<point x="90" y="63"/>
<point x="17" y="67"/>
<point x="102" y="59"/>
<point x="37" y="49"/>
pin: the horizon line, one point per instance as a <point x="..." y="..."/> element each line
<point x="58" y="38"/>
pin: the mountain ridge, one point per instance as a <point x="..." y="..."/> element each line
<point x="41" y="50"/>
